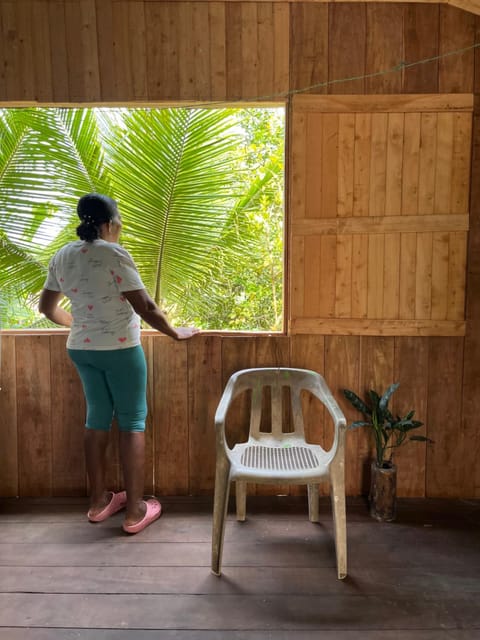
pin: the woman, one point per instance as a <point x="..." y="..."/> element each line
<point x="107" y="297"/>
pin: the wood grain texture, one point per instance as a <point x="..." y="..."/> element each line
<point x="309" y="61"/>
<point x="411" y="371"/>
<point x="470" y="396"/>
<point x="342" y="371"/>
<point x="384" y="48"/>
<point x="376" y="372"/>
<point x="82" y="51"/>
<point x="278" y="567"/>
<point x="170" y="420"/>
<point x="68" y="423"/>
<point x="106" y="48"/>
<point x="163" y="73"/>
<point x="9" y="468"/>
<point x="421" y="32"/>
<point x="34" y="413"/>
<point x="346" y="48"/>
<point x="445" y="458"/>
<point x="238" y="354"/>
<point x="150" y="453"/>
<point x="204" y="391"/>
<point x="457" y="31"/>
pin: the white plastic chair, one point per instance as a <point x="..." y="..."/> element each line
<point x="279" y="457"/>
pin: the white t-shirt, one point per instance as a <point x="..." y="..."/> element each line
<point x="93" y="276"/>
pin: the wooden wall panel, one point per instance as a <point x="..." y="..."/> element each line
<point x="106" y="49"/>
<point x="170" y="419"/>
<point x="445" y="459"/>
<point x="204" y="392"/>
<point x="471" y="372"/>
<point x="396" y="185"/>
<point x="10" y="36"/>
<point x="238" y="354"/>
<point x="68" y="423"/>
<point x="128" y="37"/>
<point x="82" y="50"/>
<point x="342" y="371"/>
<point x="42" y="51"/>
<point x="150" y="453"/>
<point x="457" y="31"/>
<point x="34" y="416"/>
<point x="308" y="352"/>
<point x="384" y="47"/>
<point x="130" y="50"/>
<point x="421" y="33"/>
<point x="58" y="51"/>
<point x="185" y="383"/>
<point x="346" y="47"/>
<point x="376" y="372"/>
<point x="9" y="468"/>
<point x="411" y="369"/>
<point x="251" y="31"/>
<point x="271" y="352"/>
<point x="309" y="46"/>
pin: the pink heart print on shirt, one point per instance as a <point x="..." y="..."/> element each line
<point x="118" y="279"/>
<point x="84" y="250"/>
<point x="89" y="307"/>
<point x="121" y="339"/>
<point x="87" y="340"/>
<point x="74" y="290"/>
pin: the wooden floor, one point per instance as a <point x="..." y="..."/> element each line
<point x="64" y="578"/>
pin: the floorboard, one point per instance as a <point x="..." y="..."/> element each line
<point x="415" y="579"/>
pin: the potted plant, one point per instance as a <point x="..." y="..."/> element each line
<point x="389" y="433"/>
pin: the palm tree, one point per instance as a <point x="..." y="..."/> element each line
<point x="173" y="172"/>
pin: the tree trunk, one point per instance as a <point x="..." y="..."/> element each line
<point x="383" y="489"/>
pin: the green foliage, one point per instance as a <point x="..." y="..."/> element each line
<point x="389" y="432"/>
<point x="200" y="192"/>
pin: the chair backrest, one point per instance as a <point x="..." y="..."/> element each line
<point x="296" y="380"/>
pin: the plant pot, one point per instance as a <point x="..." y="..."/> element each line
<point x="383" y="491"/>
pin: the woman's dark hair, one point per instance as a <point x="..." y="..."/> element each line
<point x="94" y="209"/>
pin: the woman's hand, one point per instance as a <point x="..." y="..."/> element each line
<point x="183" y="333"/>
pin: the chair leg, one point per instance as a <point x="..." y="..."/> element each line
<point x="337" y="494"/>
<point x="241" y="499"/>
<point x="313" y="514"/>
<point x="220" y="506"/>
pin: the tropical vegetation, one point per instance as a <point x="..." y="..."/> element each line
<point x="200" y="193"/>
<point x="388" y="432"/>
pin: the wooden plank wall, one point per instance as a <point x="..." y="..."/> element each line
<point x="134" y="51"/>
<point x="43" y="408"/>
<point x="379" y="210"/>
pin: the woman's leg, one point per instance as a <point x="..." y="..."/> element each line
<point x="127" y="381"/>
<point x="132" y="453"/>
<point x="98" y="422"/>
<point x="95" y="456"/>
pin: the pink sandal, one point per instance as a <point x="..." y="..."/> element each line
<point x="118" y="502"/>
<point x="152" y="513"/>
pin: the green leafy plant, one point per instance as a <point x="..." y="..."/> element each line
<point x="389" y="432"/>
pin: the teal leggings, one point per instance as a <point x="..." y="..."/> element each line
<point x="114" y="383"/>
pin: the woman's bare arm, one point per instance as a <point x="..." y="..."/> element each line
<point x="48" y="305"/>
<point x="154" y="316"/>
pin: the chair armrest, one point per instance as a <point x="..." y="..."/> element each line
<point x="339" y="420"/>
<point x="221" y="414"/>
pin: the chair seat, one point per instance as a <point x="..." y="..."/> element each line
<point x="279" y="458"/>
